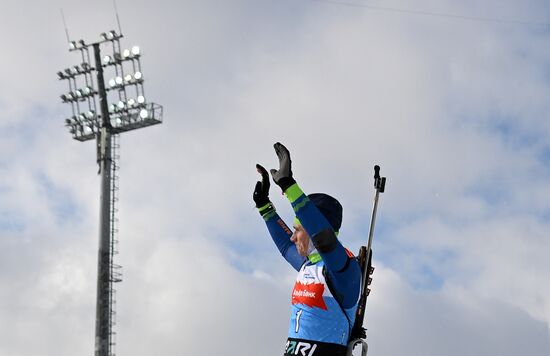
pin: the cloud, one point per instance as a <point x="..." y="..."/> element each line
<point x="451" y="321"/>
<point x="455" y="113"/>
<point x="190" y="298"/>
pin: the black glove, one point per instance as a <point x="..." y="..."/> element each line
<point x="261" y="192"/>
<point x="283" y="176"/>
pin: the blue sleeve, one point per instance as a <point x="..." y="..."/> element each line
<point x="342" y="267"/>
<point x="280" y="233"/>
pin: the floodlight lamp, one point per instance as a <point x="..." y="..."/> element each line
<point x="128" y="78"/>
<point x="87" y="91"/>
<point x="107" y="59"/>
<point x="143" y="113"/>
<point x="118" y="80"/>
<point x="76" y="70"/>
<point x="82" y="43"/>
<point x="69" y="96"/>
<point x="110" y="35"/>
<point x="112" y="82"/>
<point x="138" y="75"/>
<point x="131" y="102"/>
<point x="135" y="50"/>
<point x="72" y="45"/>
<point x="68" y="71"/>
<point x="117" y="57"/>
<point x="116" y="122"/>
<point x="61" y="75"/>
<point x="68" y="121"/>
<point x="141" y="99"/>
<point x="64" y="98"/>
<point x="126" y="53"/>
<point x="81" y="117"/>
<point x="72" y="130"/>
<point x="79" y="93"/>
<point x="87" y="130"/>
<point x="121" y="105"/>
<point x="113" y="107"/>
<point x="85" y="67"/>
<point x="90" y="114"/>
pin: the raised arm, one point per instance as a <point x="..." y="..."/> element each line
<point x="278" y="229"/>
<point x="343" y="269"/>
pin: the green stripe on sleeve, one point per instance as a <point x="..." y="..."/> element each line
<point x="293" y="192"/>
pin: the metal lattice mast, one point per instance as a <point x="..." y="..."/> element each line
<point x="116" y="270"/>
<point x="127" y="111"/>
<point x="104" y="280"/>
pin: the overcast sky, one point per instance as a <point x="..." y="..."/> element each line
<point x="454" y="106"/>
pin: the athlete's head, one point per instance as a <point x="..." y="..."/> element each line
<point x="331" y="210"/>
<point x="329" y="207"/>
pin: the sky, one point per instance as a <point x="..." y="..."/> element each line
<point x="449" y="97"/>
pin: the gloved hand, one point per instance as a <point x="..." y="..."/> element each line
<point x="261" y="192"/>
<point x="283" y="176"/>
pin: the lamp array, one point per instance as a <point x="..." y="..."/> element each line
<point x="72" y="72"/>
<point x="125" y="55"/>
<point x="118" y="81"/>
<point x="74" y="45"/>
<point x="82" y="123"/>
<point x="122" y="106"/>
<point x="78" y="95"/>
<point x="126" y="111"/>
<point x="110" y="36"/>
<point x="105" y="36"/>
<point x="129" y="118"/>
<point x="134" y="52"/>
<point x="81" y="118"/>
<point x="81" y="129"/>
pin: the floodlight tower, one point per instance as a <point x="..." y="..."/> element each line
<point x="122" y="107"/>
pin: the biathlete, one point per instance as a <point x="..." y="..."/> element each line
<point x="327" y="288"/>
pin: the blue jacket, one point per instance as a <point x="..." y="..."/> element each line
<point x="326" y="292"/>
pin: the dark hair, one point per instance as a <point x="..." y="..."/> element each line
<point x="329" y="207"/>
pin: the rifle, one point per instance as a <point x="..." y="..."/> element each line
<point x="358" y="333"/>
